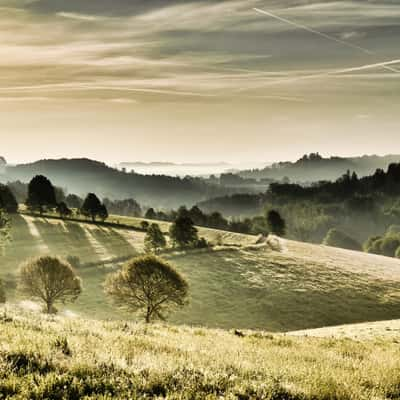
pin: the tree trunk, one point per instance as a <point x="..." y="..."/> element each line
<point x="48" y="307"/>
<point x="148" y="315"/>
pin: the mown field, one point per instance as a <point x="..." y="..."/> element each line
<point x="237" y="285"/>
<point x="46" y="357"/>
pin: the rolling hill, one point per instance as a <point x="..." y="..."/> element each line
<point x="280" y="286"/>
<point x="151" y="190"/>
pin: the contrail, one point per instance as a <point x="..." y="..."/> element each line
<point x="311" y="30"/>
<point x="57" y="87"/>
<point x="331" y="73"/>
<point x="321" y="34"/>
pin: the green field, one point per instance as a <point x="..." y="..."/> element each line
<point x="236" y="285"/>
<point x="47" y="357"/>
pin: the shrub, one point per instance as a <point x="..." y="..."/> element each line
<point x="336" y="238"/>
<point x="276" y="224"/>
<point x="50" y="280"/>
<point x="202" y="243"/>
<point x="147" y="283"/>
<point x="144" y="225"/>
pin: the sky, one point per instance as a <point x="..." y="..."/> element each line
<point x="239" y="81"/>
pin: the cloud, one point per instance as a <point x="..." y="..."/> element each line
<point x="204" y="49"/>
<point x="79" y="17"/>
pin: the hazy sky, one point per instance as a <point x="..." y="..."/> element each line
<point x="124" y="80"/>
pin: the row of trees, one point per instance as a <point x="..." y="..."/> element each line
<point x="182" y="234"/>
<point x="145" y="284"/>
<point x="271" y="222"/>
<point x="42" y="197"/>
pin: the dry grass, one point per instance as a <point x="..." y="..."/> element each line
<point x="52" y="357"/>
<point x="363" y="331"/>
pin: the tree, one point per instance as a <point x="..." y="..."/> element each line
<point x="155" y="239"/>
<point x="74" y="201"/>
<point x="41" y="194"/>
<point x="63" y="210"/>
<point x="150" y="284"/>
<point x="276" y="223"/>
<point x="5" y="228"/>
<point x="103" y="213"/>
<point x="336" y="238"/>
<point x="50" y="280"/>
<point x="8" y="202"/>
<point x="4" y="238"/>
<point x="150" y="214"/>
<point x="92" y="207"/>
<point x="183" y="232"/>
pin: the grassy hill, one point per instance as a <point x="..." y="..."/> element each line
<point x="236" y="285"/>
<point x="44" y="357"/>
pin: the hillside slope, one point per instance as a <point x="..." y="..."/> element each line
<point x="150" y="190"/>
<point x="296" y="286"/>
<point x="62" y="358"/>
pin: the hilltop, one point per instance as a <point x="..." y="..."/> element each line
<point x="45" y="357"/>
<point x="276" y="286"/>
<point x="314" y="168"/>
<point x="152" y="190"/>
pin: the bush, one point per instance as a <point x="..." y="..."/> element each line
<point x="276" y="224"/>
<point x="144" y="225"/>
<point x="202" y="243"/>
<point x="336" y="238"/>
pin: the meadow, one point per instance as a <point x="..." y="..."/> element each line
<point x="283" y="286"/>
<point x="43" y="357"/>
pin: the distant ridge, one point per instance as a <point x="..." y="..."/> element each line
<point x="83" y="175"/>
<point x="313" y="167"/>
<point x="166" y="164"/>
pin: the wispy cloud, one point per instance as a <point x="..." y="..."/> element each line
<point x="203" y="49"/>
<point x="79" y="17"/>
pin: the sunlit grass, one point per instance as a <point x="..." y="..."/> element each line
<point x="297" y="286"/>
<point x="52" y="357"/>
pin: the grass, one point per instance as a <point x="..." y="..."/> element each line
<point x="45" y="357"/>
<point x="297" y="286"/>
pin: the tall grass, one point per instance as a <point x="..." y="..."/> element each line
<point x="54" y="358"/>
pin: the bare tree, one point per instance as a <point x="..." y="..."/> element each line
<point x="51" y="280"/>
<point x="150" y="284"/>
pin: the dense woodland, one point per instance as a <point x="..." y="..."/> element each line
<point x="360" y="207"/>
